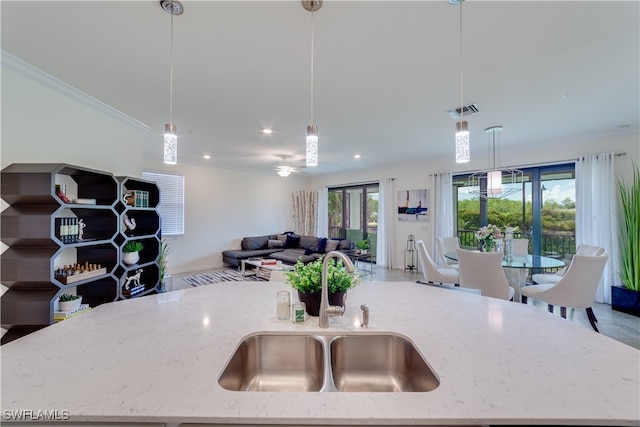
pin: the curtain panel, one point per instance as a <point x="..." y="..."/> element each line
<point x="596" y="214"/>
<point x="387" y="213"/>
<point x="442" y="210"/>
<point x="305" y="212"/>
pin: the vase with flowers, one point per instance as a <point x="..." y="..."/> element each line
<point x="487" y="237"/>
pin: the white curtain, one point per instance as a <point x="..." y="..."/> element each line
<point x="387" y="212"/>
<point x="442" y="212"/>
<point x="596" y="219"/>
<point x="323" y="212"/>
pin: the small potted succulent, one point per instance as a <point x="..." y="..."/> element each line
<point x="68" y="302"/>
<point x="307" y="280"/>
<point x="131" y="252"/>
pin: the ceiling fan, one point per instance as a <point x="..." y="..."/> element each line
<point x="285" y="169"/>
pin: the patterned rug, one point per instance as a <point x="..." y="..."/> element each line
<point x="219" y="276"/>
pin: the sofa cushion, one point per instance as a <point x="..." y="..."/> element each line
<point x="254" y="243"/>
<point x="331" y="245"/>
<point x="292" y="241"/>
<point x="309" y="242"/>
<point x="275" y="244"/>
<point x="291" y="256"/>
<point x="344" y="245"/>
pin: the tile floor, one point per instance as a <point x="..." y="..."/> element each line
<point x="614" y="324"/>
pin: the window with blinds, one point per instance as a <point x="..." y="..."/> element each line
<point x="171" y="206"/>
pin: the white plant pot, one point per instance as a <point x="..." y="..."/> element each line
<point x="131" y="258"/>
<point x="69" y="305"/>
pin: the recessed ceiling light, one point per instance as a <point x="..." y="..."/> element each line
<point x="356" y="156"/>
<point x="206" y="156"/>
<point x="267" y="131"/>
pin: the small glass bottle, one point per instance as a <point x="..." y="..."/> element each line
<point x="298" y="312"/>
<point x="283" y="305"/>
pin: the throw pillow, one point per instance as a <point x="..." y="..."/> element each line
<point x="254" y="243"/>
<point x="331" y="245"/>
<point x="292" y="241"/>
<point x="282" y="237"/>
<point x="322" y="245"/>
<point x="275" y="244"/>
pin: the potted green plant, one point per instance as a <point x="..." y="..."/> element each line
<point x="363" y="246"/>
<point x="627" y="297"/>
<point x="131" y="252"/>
<point x="165" y="250"/>
<point x="68" y="302"/>
<point x="307" y="280"/>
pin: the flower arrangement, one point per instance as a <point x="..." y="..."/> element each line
<point x="307" y="278"/>
<point x="487" y="236"/>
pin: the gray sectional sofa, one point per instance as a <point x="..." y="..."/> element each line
<point x="287" y="248"/>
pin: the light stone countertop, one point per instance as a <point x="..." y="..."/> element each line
<point x="157" y="359"/>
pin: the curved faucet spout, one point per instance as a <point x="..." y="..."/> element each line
<point x="325" y="309"/>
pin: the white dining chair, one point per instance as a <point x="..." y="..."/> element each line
<point x="483" y="270"/>
<point x="576" y="288"/>
<point x="543" y="278"/>
<point x="447" y="244"/>
<point x="430" y="270"/>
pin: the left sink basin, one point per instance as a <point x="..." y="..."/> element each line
<point x="266" y="362"/>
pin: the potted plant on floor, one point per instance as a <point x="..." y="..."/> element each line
<point x="627" y="297"/>
<point x="165" y="250"/>
<point x="307" y="280"/>
<point x="131" y="252"/>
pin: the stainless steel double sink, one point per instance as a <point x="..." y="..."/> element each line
<point x="372" y="362"/>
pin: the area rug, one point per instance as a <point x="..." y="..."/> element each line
<point x="219" y="276"/>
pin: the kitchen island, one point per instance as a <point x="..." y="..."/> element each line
<point x="157" y="360"/>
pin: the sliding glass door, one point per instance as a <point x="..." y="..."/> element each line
<point x="353" y="213"/>
<point x="542" y="210"/>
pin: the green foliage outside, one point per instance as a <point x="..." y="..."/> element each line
<point x="558" y="221"/>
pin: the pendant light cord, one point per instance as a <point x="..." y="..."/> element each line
<point x="311" y="101"/>
<point x="461" y="69"/>
<point x="171" y="71"/>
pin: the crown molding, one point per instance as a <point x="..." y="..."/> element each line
<point x="25" y="69"/>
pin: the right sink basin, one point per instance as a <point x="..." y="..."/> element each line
<point x="379" y="363"/>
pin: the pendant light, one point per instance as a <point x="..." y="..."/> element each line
<point x="312" y="130"/>
<point x="496" y="182"/>
<point x="462" y="127"/>
<point x="172" y="7"/>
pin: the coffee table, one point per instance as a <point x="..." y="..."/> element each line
<point x="260" y="270"/>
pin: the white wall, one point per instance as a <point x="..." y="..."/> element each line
<point x="416" y="174"/>
<point x="222" y="207"/>
<point x="44" y="120"/>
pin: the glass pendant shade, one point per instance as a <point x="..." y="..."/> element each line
<point x="170" y="144"/>
<point x="462" y="142"/>
<point x="312" y="145"/>
<point x="494" y="182"/>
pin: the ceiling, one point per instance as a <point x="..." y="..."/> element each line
<point x="385" y="73"/>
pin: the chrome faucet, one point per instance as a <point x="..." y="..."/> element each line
<point x="327" y="310"/>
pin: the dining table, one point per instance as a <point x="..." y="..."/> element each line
<point x="516" y="268"/>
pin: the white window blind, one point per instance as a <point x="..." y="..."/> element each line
<point x="171" y="206"/>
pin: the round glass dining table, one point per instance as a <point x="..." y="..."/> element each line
<point x="518" y="278"/>
<point x="523" y="261"/>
